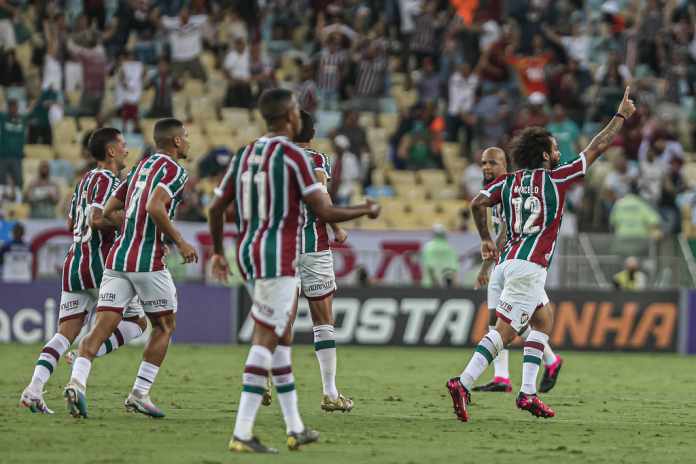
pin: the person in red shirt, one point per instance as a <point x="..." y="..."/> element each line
<point x="530" y="69"/>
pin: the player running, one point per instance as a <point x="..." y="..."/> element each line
<point x="317" y="275"/>
<point x="532" y="200"/>
<point x="494" y="164"/>
<point x="93" y="235"/>
<point x="135" y="266"/>
<point x="267" y="181"/>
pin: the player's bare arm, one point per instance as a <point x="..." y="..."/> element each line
<point x="320" y="204"/>
<point x="158" y="212"/>
<point x="478" y="210"/>
<point x="606" y="136"/>
<point x="487" y="265"/>
<point x="340" y="235"/>
<point x="216" y="219"/>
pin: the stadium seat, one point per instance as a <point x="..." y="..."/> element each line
<point x="65" y="131"/>
<point x="17" y="211"/>
<point x="69" y="151"/>
<point x="432" y="177"/>
<point x="236" y="117"/>
<point x="40" y="152"/>
<point x="402" y="177"/>
<point x="203" y="109"/>
<point x="193" y="88"/>
<point x="322" y="145"/>
<point x="689" y="172"/>
<point x="215" y="127"/>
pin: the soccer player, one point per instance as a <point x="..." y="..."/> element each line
<point x="317" y="275"/>
<point x="267" y="181"/>
<point x="494" y="164"/>
<point x="532" y="200"/>
<point x="135" y="266"/>
<point x="93" y="235"/>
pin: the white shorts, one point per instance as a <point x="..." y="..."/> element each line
<point x="273" y="302"/>
<point x="516" y="290"/>
<point x="80" y="303"/>
<point x="317" y="274"/>
<point x="155" y="289"/>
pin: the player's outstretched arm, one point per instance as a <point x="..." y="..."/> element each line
<point x="158" y="212"/>
<point x="606" y="136"/>
<point x="320" y="204"/>
<point x="340" y="235"/>
<point x="478" y="210"/>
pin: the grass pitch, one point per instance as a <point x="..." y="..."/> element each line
<point x="611" y="408"/>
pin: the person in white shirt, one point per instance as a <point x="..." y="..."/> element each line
<point x="186" y="43"/>
<point x="462" y="96"/>
<point x="237" y="67"/>
<point x="129" y="87"/>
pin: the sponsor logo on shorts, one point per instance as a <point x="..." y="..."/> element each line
<point x="524" y="318"/>
<point x="503" y="306"/>
<point x="70" y="305"/>
<point x="107" y="297"/>
<point x="263" y="309"/>
<point x="329" y="284"/>
<point x="159" y="303"/>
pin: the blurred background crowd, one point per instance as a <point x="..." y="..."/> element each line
<point x="406" y="94"/>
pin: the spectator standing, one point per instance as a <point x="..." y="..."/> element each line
<point x="16" y="257"/>
<point x="94" y="64"/>
<point x="492" y="117"/>
<point x="428" y="85"/>
<point x="439" y="261"/>
<point x="9" y="190"/>
<point x="13" y="130"/>
<point x="43" y="194"/>
<point x="631" y="278"/>
<point x="12" y="74"/>
<point x="307" y="92"/>
<point x="164" y="83"/>
<point x="39" y="120"/>
<point x="186" y="43"/>
<point x="370" y="79"/>
<point x="566" y="133"/>
<point x="129" y="88"/>
<point x="617" y="183"/>
<point x="531" y="69"/>
<point x="462" y="96"/>
<point x="237" y="68"/>
<point x="346" y="172"/>
<point x="634" y="223"/>
<point x="8" y="40"/>
<point x="331" y="69"/>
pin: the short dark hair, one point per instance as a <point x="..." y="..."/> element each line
<point x="307" y="132"/>
<point x="527" y="149"/>
<point x="100" y="140"/>
<point x="165" y="129"/>
<point x="273" y="104"/>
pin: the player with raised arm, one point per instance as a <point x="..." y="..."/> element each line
<point x="135" y="266"/>
<point x="267" y="181"/>
<point x="532" y="199"/>
<point x="494" y="163"/>
<point x="93" y="235"/>
<point x="317" y="277"/>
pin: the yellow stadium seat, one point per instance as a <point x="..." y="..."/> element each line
<point x="402" y="177"/>
<point x="215" y="127"/>
<point x="237" y="117"/>
<point x="430" y="177"/>
<point x="17" y="211"/>
<point x="689" y="172"/>
<point x="193" y="88"/>
<point x="40" y="152"/>
<point x="322" y="145"/>
<point x="65" y="131"/>
<point x="69" y="151"/>
<point x="389" y="121"/>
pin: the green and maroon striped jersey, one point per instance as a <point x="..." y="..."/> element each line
<point x="83" y="266"/>
<point x="140" y="245"/>
<point x="533" y="202"/>
<point x="267" y="180"/>
<point x="315" y="236"/>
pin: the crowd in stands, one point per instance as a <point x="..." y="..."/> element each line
<point x="408" y="86"/>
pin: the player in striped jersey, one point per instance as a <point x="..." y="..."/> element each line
<point x="93" y="236"/>
<point x="533" y="200"/>
<point x="135" y="265"/>
<point x="267" y="181"/>
<point x="317" y="277"/>
<point x="494" y="164"/>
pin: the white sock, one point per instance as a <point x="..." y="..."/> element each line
<point x="525" y="333"/>
<point x="48" y="360"/>
<point x="80" y="371"/>
<point x="549" y="355"/>
<point x="145" y="378"/>
<point x="533" y="351"/>
<point x="284" y="381"/>
<point x="256" y="369"/>
<point x="325" y="349"/>
<point x="486" y="351"/>
<point x="501" y="362"/>
<point x="125" y="332"/>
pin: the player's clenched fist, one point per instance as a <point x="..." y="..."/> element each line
<point x="188" y="252"/>
<point x="627" y="107"/>
<point x="220" y="268"/>
<point x="374" y="207"/>
<point x="488" y="250"/>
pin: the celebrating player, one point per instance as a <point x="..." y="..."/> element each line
<point x="532" y="200"/>
<point x="135" y="266"/>
<point x="93" y="235"/>
<point x="494" y="164"/>
<point x="267" y="181"/>
<point x="317" y="275"/>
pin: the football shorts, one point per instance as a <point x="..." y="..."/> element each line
<point x="317" y="277"/>
<point x="155" y="289"/>
<point x="516" y="290"/>
<point x="274" y="302"/>
<point x="80" y="303"/>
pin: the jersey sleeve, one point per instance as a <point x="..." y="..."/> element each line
<point x="102" y="190"/>
<point x="174" y="179"/>
<point x="226" y="189"/>
<point x="322" y="164"/>
<point x="494" y="190"/>
<point x="304" y="175"/>
<point x="566" y="175"/>
<point x="73" y="203"/>
<point x="121" y="192"/>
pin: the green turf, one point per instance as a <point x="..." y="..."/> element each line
<point x="611" y="408"/>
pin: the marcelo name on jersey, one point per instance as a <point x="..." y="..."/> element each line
<point x="532" y="202"/>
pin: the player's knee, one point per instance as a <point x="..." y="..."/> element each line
<point x="142" y="323"/>
<point x="492" y="317"/>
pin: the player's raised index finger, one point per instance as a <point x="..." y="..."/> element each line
<point x="627" y="92"/>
